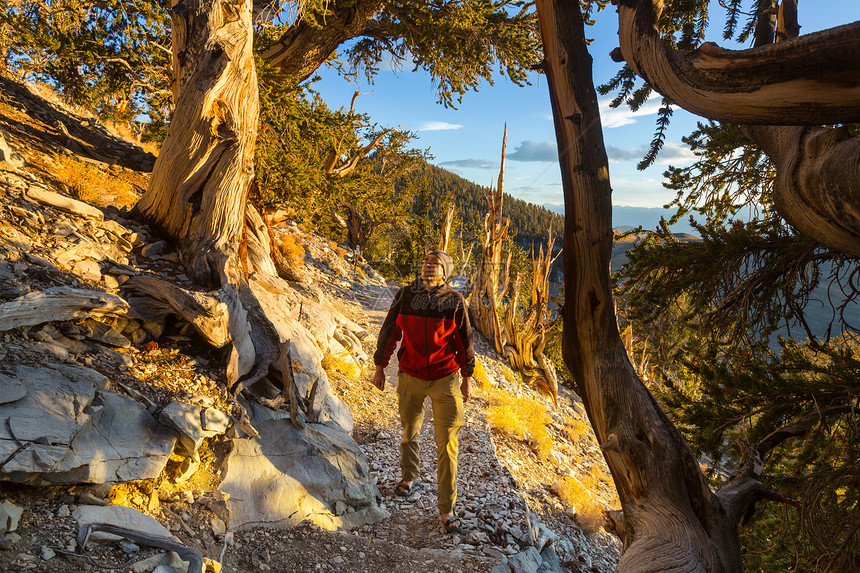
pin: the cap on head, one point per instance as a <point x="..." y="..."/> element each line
<point x="446" y="261"/>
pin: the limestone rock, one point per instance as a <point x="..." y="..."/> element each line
<point x="69" y="429"/>
<point x="194" y="424"/>
<point x="105" y="334"/>
<point x="120" y="516"/>
<point x="290" y="475"/>
<point x="527" y="561"/>
<point x="9" y="158"/>
<point x="11" y="391"/>
<point x="9" y="516"/>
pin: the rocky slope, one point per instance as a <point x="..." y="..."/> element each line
<point x="113" y="413"/>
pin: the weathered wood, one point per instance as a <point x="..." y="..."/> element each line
<point x="486" y="288"/>
<point x="57" y="304"/>
<point x="188" y="554"/>
<point x="63" y="203"/>
<point x="289" y="382"/>
<point x="445" y="236"/>
<point x="526" y="337"/>
<point x="259" y="243"/>
<point x="672" y="520"/>
<point x="805" y="81"/>
<point x="207" y="312"/>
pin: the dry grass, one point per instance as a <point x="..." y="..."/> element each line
<point x="523" y="418"/>
<point x="90" y="184"/>
<point x="338" y="364"/>
<point x="480" y="376"/>
<point x="576" y="429"/>
<point x="578" y="493"/>
<point x="511" y="376"/>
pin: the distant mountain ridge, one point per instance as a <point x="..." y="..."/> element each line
<point x="626" y="217"/>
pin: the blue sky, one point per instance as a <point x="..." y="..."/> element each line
<point x="468" y="140"/>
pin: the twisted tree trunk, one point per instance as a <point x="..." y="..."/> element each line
<point x="671" y="519"/>
<point x="526" y="338"/>
<point x="200" y="182"/>
<point x="199" y="188"/>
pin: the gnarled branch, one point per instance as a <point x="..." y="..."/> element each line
<point x="809" y="80"/>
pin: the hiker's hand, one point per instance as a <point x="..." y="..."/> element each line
<point x="379" y="378"/>
<point x="466" y="388"/>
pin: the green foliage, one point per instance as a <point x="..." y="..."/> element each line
<point x="110" y="56"/>
<point x="460" y="44"/>
<point x="723" y="398"/>
<point x="529" y="222"/>
<point x="299" y="134"/>
<point x="706" y="313"/>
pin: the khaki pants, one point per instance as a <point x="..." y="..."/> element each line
<point x="447" y="421"/>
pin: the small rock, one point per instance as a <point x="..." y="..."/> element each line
<point x="127" y="546"/>
<point x="9" y="516"/>
<point x="110" y="282"/>
<point x="89" y="498"/>
<point x="218" y="526"/>
<point x="89" y="270"/>
<point x="337" y="560"/>
<point x="7" y="541"/>
<point x="47" y="553"/>
<point x="153" y="249"/>
<point x="63" y="511"/>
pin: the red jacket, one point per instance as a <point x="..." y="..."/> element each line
<point x="434" y="325"/>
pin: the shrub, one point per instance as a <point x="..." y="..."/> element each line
<point x="575" y="429"/>
<point x="480" y="376"/>
<point x="332" y="364"/>
<point x="511" y="376"/>
<point x="293" y="252"/>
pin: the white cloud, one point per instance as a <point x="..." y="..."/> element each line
<point x="438" y="126"/>
<point x="540" y="151"/>
<point x="674" y="153"/>
<point x="471" y="163"/>
<point x="648" y="180"/>
<point x="622" y="115"/>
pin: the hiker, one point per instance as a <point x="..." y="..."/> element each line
<point x="433" y="321"/>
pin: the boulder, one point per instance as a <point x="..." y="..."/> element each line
<point x="194" y="424"/>
<point x="9" y="516"/>
<point x="527" y="561"/>
<point x="291" y="475"/>
<point x="68" y="428"/>
<point x="120" y="516"/>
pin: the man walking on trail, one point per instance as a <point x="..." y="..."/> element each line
<point x="437" y="342"/>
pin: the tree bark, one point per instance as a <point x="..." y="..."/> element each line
<point x="810" y="80"/>
<point x="672" y="521"/>
<point x="200" y="182"/>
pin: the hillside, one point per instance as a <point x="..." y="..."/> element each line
<point x="529" y="221"/>
<point x="114" y="410"/>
